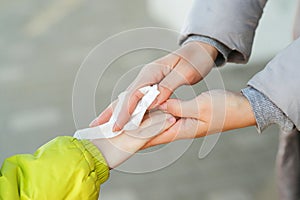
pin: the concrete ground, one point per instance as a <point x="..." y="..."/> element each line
<point x="42" y="45"/>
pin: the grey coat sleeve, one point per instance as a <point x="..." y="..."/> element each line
<point x="231" y="22"/>
<point x="280" y="81"/>
<point x="265" y="111"/>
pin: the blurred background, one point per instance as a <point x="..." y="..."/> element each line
<point x="42" y="45"/>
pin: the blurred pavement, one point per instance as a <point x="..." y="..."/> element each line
<point x="42" y="45"/>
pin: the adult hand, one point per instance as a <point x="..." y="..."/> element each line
<point x="211" y="112"/>
<point x="187" y="65"/>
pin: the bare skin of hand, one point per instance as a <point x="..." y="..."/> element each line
<point x="118" y="149"/>
<point x="211" y="112"/>
<point x="186" y="66"/>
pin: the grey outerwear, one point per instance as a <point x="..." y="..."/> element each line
<point x="233" y="23"/>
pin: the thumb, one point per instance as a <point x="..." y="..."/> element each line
<point x="178" y="108"/>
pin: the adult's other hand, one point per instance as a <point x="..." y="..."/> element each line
<point x="211" y="112"/>
<point x="186" y="66"/>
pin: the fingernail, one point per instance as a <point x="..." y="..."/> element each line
<point x="116" y="127"/>
<point x="172" y="120"/>
<point x="163" y="106"/>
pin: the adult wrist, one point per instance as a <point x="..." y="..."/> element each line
<point x="223" y="50"/>
<point x="211" y="50"/>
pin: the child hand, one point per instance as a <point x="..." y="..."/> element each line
<point x="118" y="149"/>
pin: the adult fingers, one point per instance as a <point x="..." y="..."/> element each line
<point x="170" y="60"/>
<point x="127" y="108"/>
<point x="154" y="72"/>
<point x="182" y="129"/>
<point x="164" y="94"/>
<point x="178" y="108"/>
<point x="104" y="116"/>
<point x="182" y="74"/>
<point x="151" y="74"/>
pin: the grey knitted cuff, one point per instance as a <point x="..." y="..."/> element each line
<point x="223" y="50"/>
<point x="265" y="111"/>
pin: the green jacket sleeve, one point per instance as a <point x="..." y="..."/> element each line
<point x="64" y="168"/>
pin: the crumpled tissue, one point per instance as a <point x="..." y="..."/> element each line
<point x="105" y="130"/>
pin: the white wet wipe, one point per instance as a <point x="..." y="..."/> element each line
<point x="105" y="130"/>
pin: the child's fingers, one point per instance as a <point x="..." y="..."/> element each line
<point x="151" y="114"/>
<point x="152" y="118"/>
<point x="166" y="137"/>
<point x="156" y="123"/>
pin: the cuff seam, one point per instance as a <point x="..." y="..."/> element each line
<point x="223" y="50"/>
<point x="101" y="168"/>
